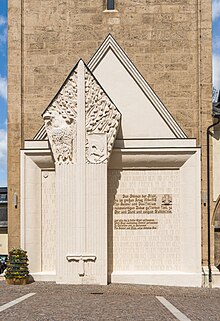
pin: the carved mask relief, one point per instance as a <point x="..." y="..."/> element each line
<point x="96" y="148"/>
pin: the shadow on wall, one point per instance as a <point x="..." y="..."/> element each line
<point x="113" y="183"/>
<point x="217" y="233"/>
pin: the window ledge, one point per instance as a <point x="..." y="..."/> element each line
<point x="109" y="11"/>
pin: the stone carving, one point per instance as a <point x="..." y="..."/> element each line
<point x="102" y="122"/>
<point x="167" y="199"/>
<point x="81" y="259"/>
<point x="60" y="122"/>
<point x="97" y="149"/>
<point x="101" y="117"/>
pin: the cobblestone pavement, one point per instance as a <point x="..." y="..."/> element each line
<point x="54" y="302"/>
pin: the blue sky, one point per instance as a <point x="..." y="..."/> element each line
<point x="3" y="76"/>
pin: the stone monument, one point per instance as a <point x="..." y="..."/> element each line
<point x="110" y="185"/>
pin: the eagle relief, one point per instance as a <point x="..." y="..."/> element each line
<point x="61" y="133"/>
<point x="60" y="122"/>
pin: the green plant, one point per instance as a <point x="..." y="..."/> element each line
<point x="17" y="265"/>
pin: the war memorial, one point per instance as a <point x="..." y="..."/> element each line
<point x="109" y="105"/>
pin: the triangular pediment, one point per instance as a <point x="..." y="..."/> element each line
<point x="144" y="116"/>
<point x="143" y="113"/>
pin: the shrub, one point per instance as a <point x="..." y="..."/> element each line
<point x="17" y="265"/>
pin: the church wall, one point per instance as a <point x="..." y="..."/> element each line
<point x="169" y="42"/>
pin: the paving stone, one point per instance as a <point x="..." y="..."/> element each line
<point x="53" y="302"/>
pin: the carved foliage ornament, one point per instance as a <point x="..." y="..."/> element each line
<point x="102" y="117"/>
<point x="60" y="122"/>
<point x="102" y="121"/>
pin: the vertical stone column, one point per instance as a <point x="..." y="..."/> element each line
<point x="71" y="197"/>
<point x="61" y="125"/>
<point x="80" y="187"/>
<point x="96" y="222"/>
<point x="81" y="124"/>
<point x="68" y="232"/>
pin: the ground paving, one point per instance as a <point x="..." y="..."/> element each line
<point x="54" y="302"/>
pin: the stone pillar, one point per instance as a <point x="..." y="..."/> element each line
<point x="81" y="124"/>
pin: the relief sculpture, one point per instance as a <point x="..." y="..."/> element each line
<point x="97" y="149"/>
<point x="60" y="122"/>
<point x="102" y="122"/>
<point x="102" y="117"/>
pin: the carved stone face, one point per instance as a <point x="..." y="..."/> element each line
<point x="96" y="148"/>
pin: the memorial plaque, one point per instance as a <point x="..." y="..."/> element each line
<point x="144" y="220"/>
<point x="143" y="204"/>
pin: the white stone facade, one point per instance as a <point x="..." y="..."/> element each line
<point x="110" y="186"/>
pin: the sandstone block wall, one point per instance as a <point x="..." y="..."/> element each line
<point x="169" y="41"/>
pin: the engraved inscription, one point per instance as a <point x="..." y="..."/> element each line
<point x="136" y="224"/>
<point x="143" y="204"/>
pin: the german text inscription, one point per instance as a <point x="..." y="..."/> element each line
<point x="136" y="224"/>
<point x="143" y="204"/>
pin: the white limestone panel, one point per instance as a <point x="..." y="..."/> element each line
<point x="96" y="223"/>
<point x="139" y="114"/>
<point x="31" y="211"/>
<point x="81" y="233"/>
<point x="190" y="206"/>
<point x="147" y="249"/>
<point x="48" y="246"/>
<point x="154" y="143"/>
<point x="68" y="223"/>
